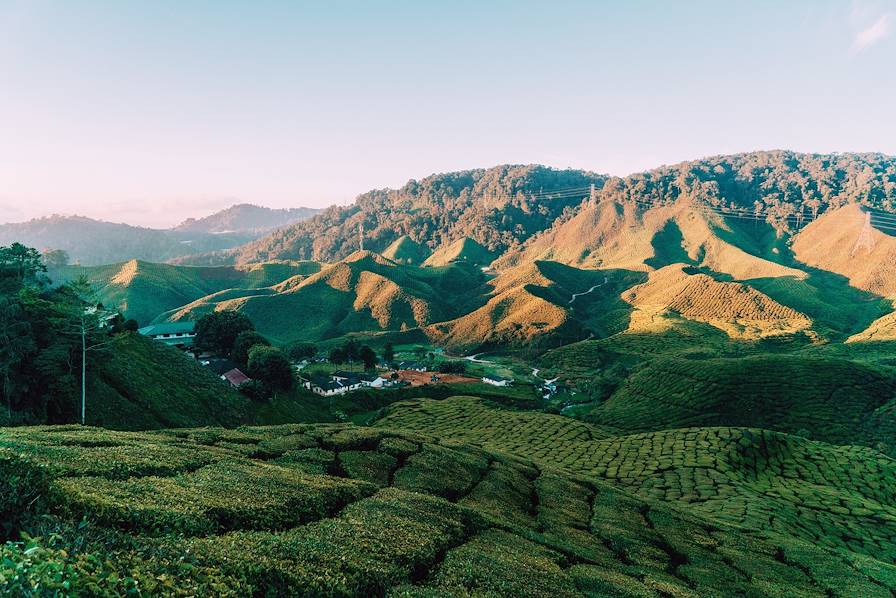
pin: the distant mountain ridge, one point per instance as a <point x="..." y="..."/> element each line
<point x="245" y="217"/>
<point x="93" y="242"/>
<point x="497" y="207"/>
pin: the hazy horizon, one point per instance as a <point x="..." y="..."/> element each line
<point x="153" y="114"/>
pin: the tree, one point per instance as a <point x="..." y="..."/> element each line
<point x="24" y="263"/>
<point x="337" y="356"/>
<point x="244" y="343"/>
<point x="271" y="366"/>
<point x="55" y="258"/>
<point x="15" y="343"/>
<point x="352" y="351"/>
<point x="300" y="351"/>
<point x="453" y="367"/>
<point x="389" y="353"/>
<point x="368" y="356"/>
<point x="217" y="331"/>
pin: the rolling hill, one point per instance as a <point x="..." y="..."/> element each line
<point x="496" y="207"/>
<point x="464" y="249"/>
<point x="757" y="480"/>
<point x="739" y="310"/>
<point x="363" y="292"/>
<point x="405" y="250"/>
<point x="144" y="290"/>
<point x="351" y="511"/>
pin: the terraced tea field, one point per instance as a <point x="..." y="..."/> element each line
<point x="836" y="496"/>
<point x="342" y="511"/>
<point x="834" y="400"/>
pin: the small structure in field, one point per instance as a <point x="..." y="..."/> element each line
<point x="235" y="376"/>
<point x="497" y="380"/>
<point x="176" y="334"/>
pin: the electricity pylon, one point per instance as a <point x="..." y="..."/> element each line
<point x="865" y="240"/>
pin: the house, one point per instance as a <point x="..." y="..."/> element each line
<point x="413" y="366"/>
<point x="219" y="365"/>
<point x="335" y="385"/>
<point x="235" y="377"/>
<point x="497" y="380"/>
<point x="176" y="334"/>
<point x="373" y="381"/>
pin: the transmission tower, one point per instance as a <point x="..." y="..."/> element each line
<point x="865" y="240"/>
<point x="361" y="235"/>
<point x="593" y="193"/>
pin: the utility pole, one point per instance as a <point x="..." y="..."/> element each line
<point x="865" y="240"/>
<point x="83" y="370"/>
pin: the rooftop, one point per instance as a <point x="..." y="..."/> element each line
<point x="168" y="328"/>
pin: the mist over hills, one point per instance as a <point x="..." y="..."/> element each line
<point x="93" y="242"/>
<point x="245" y="217"/>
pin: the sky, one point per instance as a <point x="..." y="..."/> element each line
<point x="151" y="112"/>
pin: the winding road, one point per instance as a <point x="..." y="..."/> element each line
<point x="574" y="295"/>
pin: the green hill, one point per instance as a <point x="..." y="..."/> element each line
<point x="146" y="385"/>
<point x="834" y="400"/>
<point x="145" y="290"/>
<point x="405" y="250"/>
<point x="344" y="511"/>
<point x="464" y="249"/>
<point x="364" y="292"/>
<point x="837" y="496"/>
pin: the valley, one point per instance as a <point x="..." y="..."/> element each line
<point x="506" y="381"/>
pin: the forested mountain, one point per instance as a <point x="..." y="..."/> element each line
<point x="497" y="207"/>
<point x="91" y="242"/>
<point x="245" y="217"/>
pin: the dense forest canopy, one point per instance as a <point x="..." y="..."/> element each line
<point x="781" y="186"/>
<point x="497" y="207"/>
<point x="503" y="206"/>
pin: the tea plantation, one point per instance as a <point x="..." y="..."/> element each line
<point x="837" y="496"/>
<point x="337" y="510"/>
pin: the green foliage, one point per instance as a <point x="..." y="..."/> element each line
<point x="271" y="366"/>
<point x="358" y="511"/>
<point x="836" y="496"/>
<point x="244" y="343"/>
<point x="453" y="367"/>
<point x="217" y="332"/>
<point x="21" y="262"/>
<point x="300" y="351"/>
<point x="496" y="208"/>
<point x="367" y="357"/>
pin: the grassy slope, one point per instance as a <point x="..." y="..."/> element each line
<point x="144" y="290"/>
<point x="147" y="385"/>
<point x="464" y="249"/>
<point x="311" y="510"/>
<point x="364" y="292"/>
<point x="756" y="479"/>
<point x="405" y="250"/>
<point x="834" y="400"/>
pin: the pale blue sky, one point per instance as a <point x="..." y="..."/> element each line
<point x="149" y="112"/>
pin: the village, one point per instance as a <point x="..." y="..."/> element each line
<point x="412" y="366"/>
